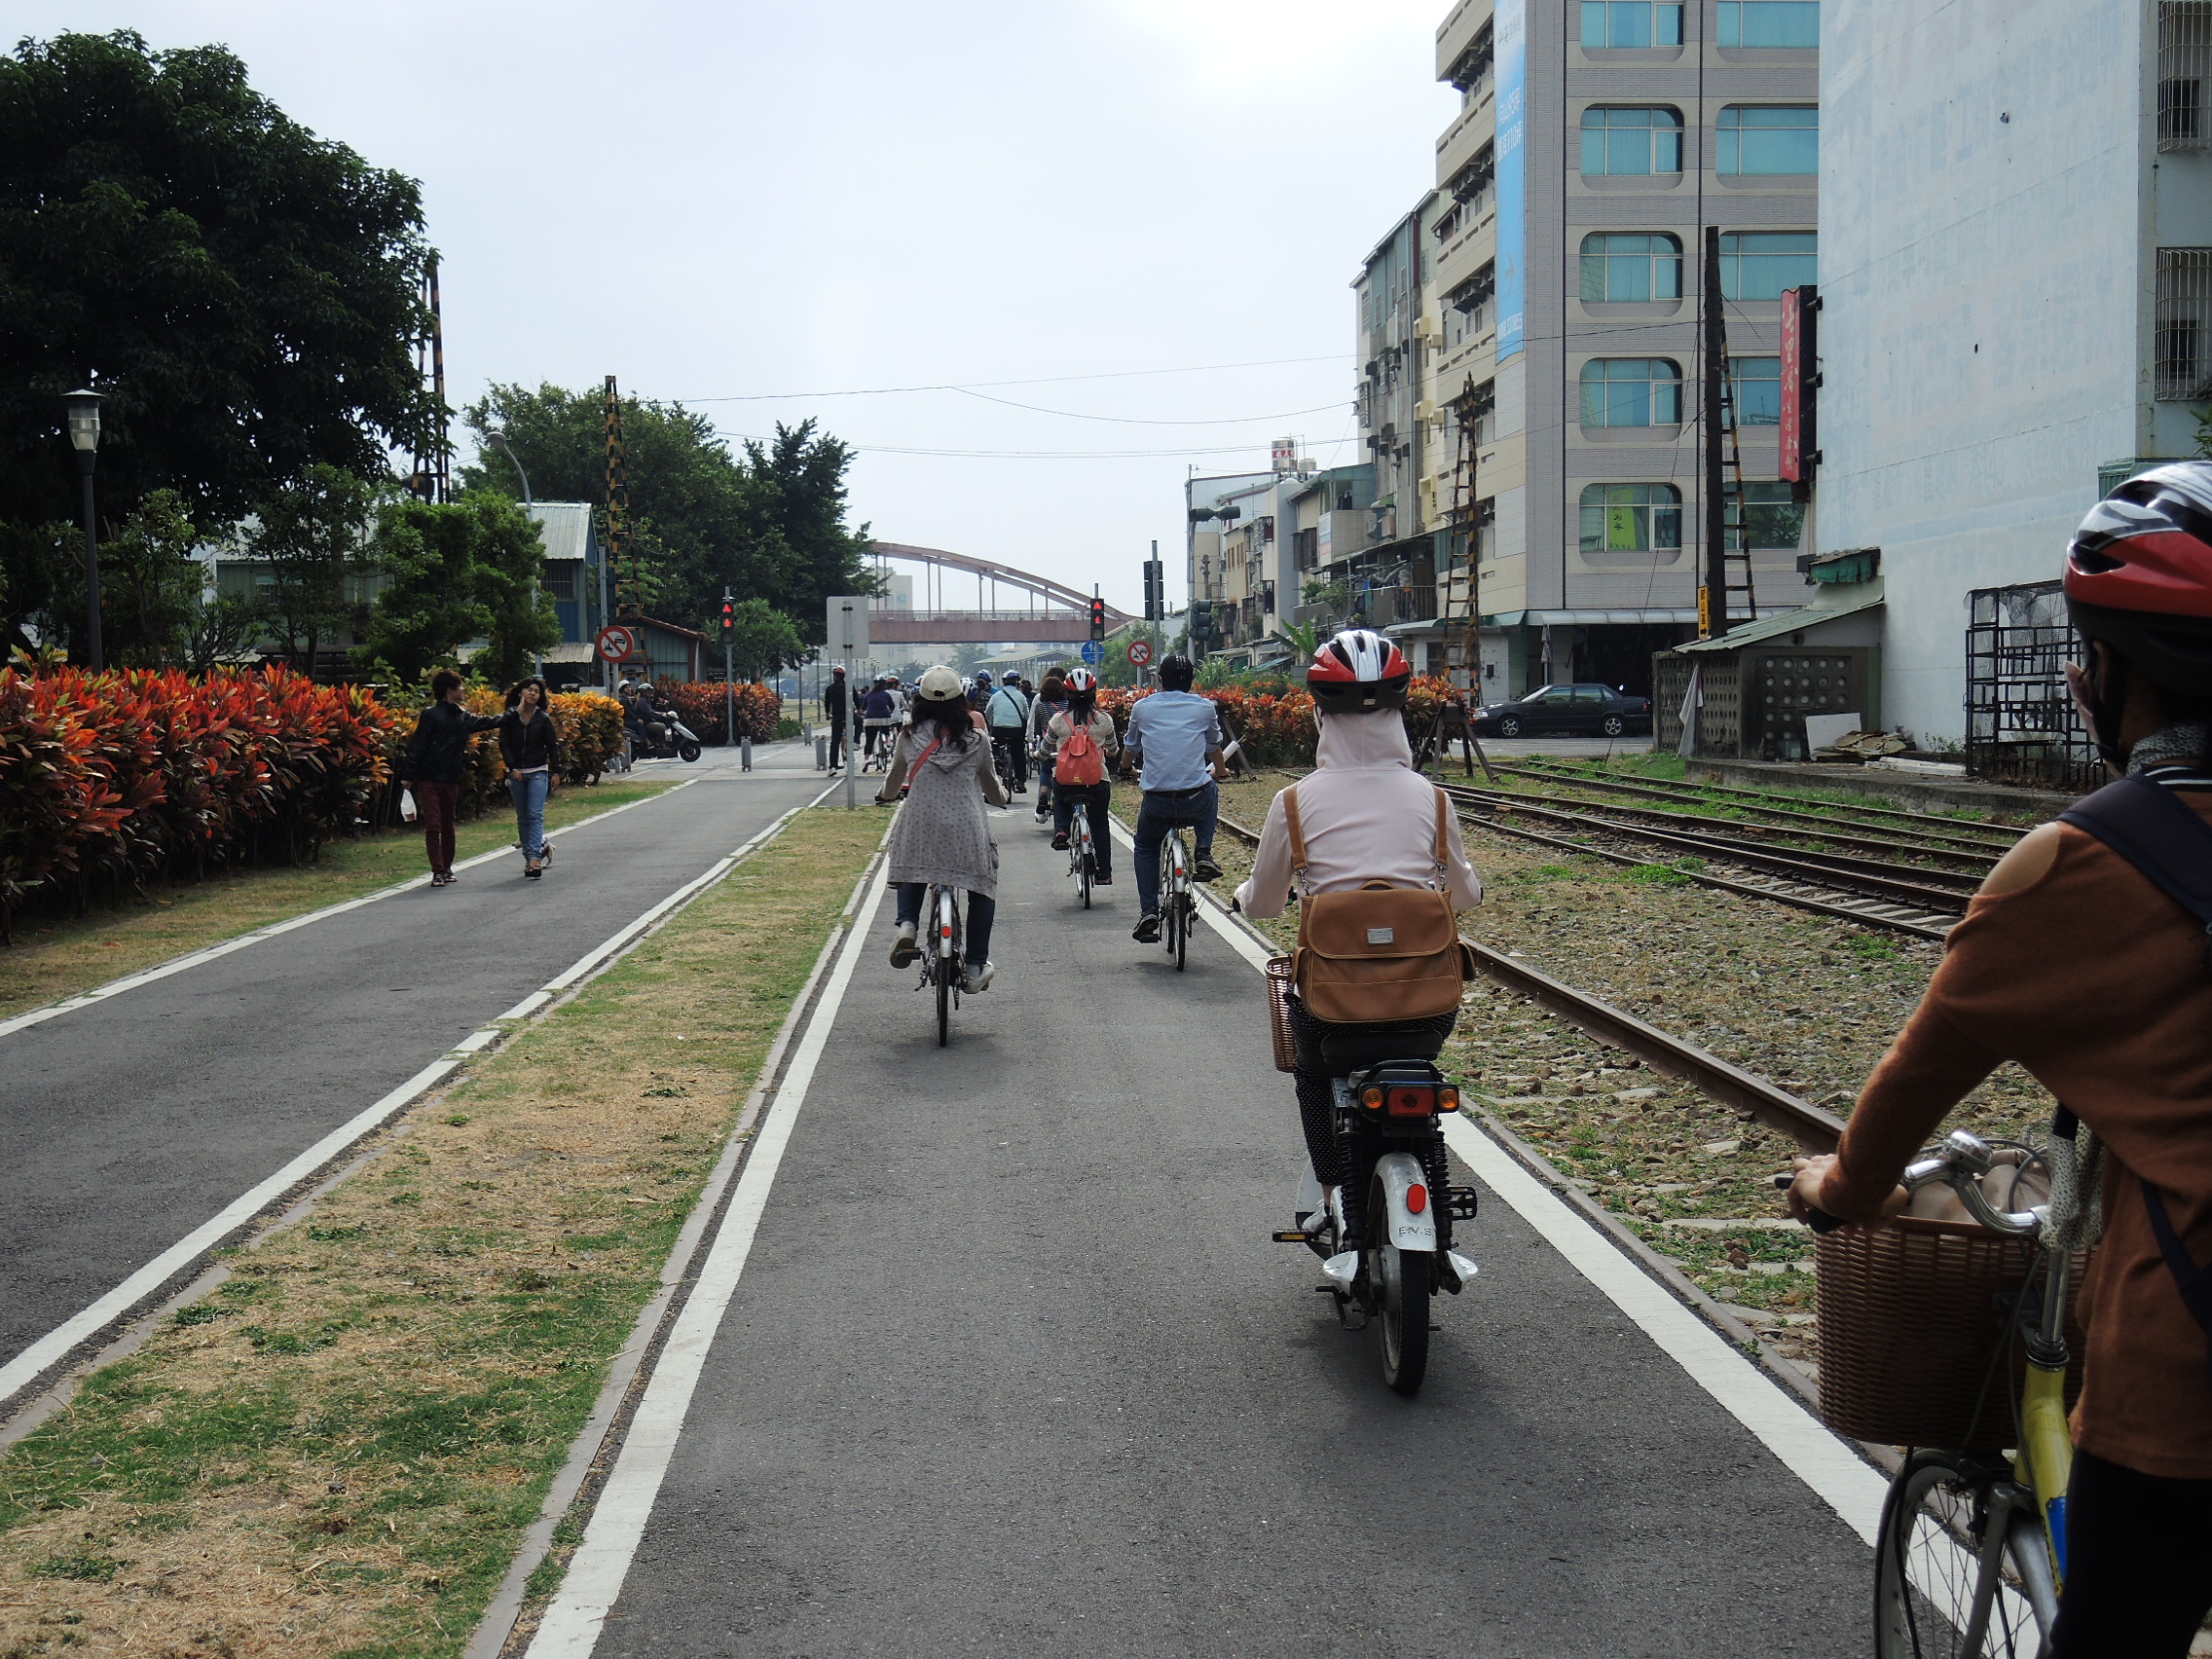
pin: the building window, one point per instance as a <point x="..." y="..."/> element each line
<point x="1768" y="139"/>
<point x="1755" y="384"/>
<point x="1771" y="518"/>
<point x="1617" y="267"/>
<point x="2185" y="63"/>
<point x="2184" y="322"/>
<point x="1770" y="22"/>
<point x="1631" y="518"/>
<point x="1758" y="265"/>
<point x="1632" y="141"/>
<point x="1630" y="22"/>
<point x="560" y="580"/>
<point x="1632" y="392"/>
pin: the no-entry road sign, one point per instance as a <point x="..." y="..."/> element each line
<point x="616" y="644"/>
<point x="1140" y="652"/>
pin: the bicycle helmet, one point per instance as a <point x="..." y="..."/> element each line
<point x="2139" y="578"/>
<point x="1177" y="673"/>
<point x="1358" y="672"/>
<point x="1080" y="680"/>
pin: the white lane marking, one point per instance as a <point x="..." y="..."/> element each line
<point x="193" y="959"/>
<point x="58" y="1342"/>
<point x="572" y="1626"/>
<point x="528" y="1006"/>
<point x="1806" y="1448"/>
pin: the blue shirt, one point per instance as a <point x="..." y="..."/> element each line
<point x="1007" y="707"/>
<point x="1172" y="731"/>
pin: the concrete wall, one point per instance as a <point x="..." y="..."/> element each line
<point x="1985" y="300"/>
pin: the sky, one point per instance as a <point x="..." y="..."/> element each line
<point x="1139" y="217"/>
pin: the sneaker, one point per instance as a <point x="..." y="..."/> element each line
<point x="1146" y="930"/>
<point x="1060" y="841"/>
<point x="1206" y="869"/>
<point x="1044" y="812"/>
<point x="976" y="976"/>
<point x="1021" y="789"/>
<point x="1101" y="878"/>
<point x="904" y="950"/>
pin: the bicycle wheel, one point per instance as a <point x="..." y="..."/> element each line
<point x="1085" y="865"/>
<point x="1936" y="1597"/>
<point x="947" y="965"/>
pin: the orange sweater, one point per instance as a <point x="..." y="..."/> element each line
<point x="2097" y="985"/>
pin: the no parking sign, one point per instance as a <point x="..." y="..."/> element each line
<point x="1140" y="652"/>
<point x="616" y="644"/>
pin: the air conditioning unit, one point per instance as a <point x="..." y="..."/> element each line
<point x="1423" y="410"/>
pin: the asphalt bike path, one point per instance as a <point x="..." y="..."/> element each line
<point x="128" y="1122"/>
<point x="1013" y="1366"/>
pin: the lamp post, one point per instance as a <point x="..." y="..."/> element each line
<point x="498" y="440"/>
<point x="85" y="437"/>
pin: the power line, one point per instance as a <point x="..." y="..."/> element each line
<point x="1137" y="420"/>
<point x="1040" y="380"/>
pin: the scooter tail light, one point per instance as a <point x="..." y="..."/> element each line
<point x="1417" y="1197"/>
<point x="1371" y="1096"/>
<point x="1447" y="1099"/>
<point x="1413" y="1100"/>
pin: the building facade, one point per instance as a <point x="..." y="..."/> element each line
<point x="2018" y="308"/>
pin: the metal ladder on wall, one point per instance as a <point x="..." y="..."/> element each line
<point x="1736" y="549"/>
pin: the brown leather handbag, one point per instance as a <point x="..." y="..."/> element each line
<point x="1378" y="953"/>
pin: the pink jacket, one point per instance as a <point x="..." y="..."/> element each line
<point x="1368" y="816"/>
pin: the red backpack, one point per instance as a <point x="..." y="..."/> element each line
<point x="1080" y="763"/>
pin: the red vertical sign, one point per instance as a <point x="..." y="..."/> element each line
<point x="1792" y="382"/>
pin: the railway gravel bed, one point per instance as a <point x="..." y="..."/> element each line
<point x="1808" y="1001"/>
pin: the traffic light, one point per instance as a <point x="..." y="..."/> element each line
<point x="1202" y="619"/>
<point x="1155" y="590"/>
<point x="1098" y="618"/>
<point x="729" y="618"/>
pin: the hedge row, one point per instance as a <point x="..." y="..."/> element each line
<point x="705" y="708"/>
<point x="1276" y="726"/>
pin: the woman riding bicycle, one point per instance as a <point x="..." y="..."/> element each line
<point x="1364" y="815"/>
<point x="942" y="837"/>
<point x="1074" y="793"/>
<point x="2072" y="964"/>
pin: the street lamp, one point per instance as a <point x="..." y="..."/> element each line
<point x="497" y="439"/>
<point x="85" y="437"/>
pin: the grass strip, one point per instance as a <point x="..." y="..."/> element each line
<point x="56" y="957"/>
<point x="338" y="1453"/>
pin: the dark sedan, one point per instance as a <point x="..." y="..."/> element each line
<point x="1559" y="711"/>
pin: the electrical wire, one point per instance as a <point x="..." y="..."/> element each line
<point x="1039" y="380"/>
<point x="1135" y="421"/>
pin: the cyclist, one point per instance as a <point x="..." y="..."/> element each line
<point x="879" y="715"/>
<point x="1175" y="737"/>
<point x="1007" y="711"/>
<point x="980" y="690"/>
<point x="1365" y="815"/>
<point x="942" y="837"/>
<point x="1083" y="744"/>
<point x="2073" y="965"/>
<point x="1051" y="699"/>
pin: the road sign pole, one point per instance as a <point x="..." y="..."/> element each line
<point x="729" y="684"/>
<point x="848" y="644"/>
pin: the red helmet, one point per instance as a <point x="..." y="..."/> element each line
<point x="1356" y="672"/>
<point x="2139" y="576"/>
<point x="1080" y="682"/>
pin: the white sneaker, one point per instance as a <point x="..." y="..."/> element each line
<point x="904" y="950"/>
<point x="974" y="978"/>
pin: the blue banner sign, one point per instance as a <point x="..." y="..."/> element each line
<point x="1512" y="38"/>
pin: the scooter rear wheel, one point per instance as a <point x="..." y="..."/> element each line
<point x="688" y="749"/>
<point x="1401" y="1310"/>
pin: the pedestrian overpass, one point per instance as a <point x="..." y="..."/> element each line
<point x="1010" y="604"/>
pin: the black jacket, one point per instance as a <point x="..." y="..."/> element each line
<point x="526" y="748"/>
<point x="438" y="753"/>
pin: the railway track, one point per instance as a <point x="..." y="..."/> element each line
<point x="2002" y="835"/>
<point x="1812" y="1129"/>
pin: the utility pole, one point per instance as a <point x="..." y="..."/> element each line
<point x="729" y="683"/>
<point x="1713" y="591"/>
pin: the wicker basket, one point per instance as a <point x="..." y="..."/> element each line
<point x="1913" y="1313"/>
<point x="1279" y="1013"/>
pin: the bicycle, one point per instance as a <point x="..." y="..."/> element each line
<point x="1972" y="1551"/>
<point x="941" y="943"/>
<point x="1002" y="762"/>
<point x="1178" y="906"/>
<point x="1083" y="853"/>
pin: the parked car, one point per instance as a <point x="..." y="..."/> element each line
<point x="1552" y="710"/>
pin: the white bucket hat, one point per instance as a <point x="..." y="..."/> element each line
<point x="942" y="685"/>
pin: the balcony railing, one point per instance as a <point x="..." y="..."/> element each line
<point x="2185" y="66"/>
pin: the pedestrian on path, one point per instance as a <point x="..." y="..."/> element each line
<point x="1176" y="736"/>
<point x="1084" y="746"/>
<point x="436" y="757"/>
<point x="942" y="837"/>
<point x="1007" y="711"/>
<point x="837" y="708"/>
<point x="531" y="745"/>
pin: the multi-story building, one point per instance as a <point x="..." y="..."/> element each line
<point x="2017" y="316"/>
<point x="1258" y="540"/>
<point x="1555" y="297"/>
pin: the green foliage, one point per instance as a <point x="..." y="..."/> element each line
<point x="510" y="558"/>
<point x="246" y="293"/>
<point x="769" y="523"/>
<point x="427" y="552"/>
<point x="764" y="641"/>
<point x="1303" y="638"/>
<point x="313" y="534"/>
<point x="2203" y="414"/>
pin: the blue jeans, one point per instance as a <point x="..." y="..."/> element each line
<point x="1093" y="798"/>
<point x="1199" y="808"/>
<point x="530" y="791"/>
<point x="975" y="925"/>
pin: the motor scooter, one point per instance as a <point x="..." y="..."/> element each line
<point x="1384" y="1238"/>
<point x="677" y="740"/>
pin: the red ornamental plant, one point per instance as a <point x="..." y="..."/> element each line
<point x="703" y="705"/>
<point x="1276" y="726"/>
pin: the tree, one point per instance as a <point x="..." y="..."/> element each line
<point x="804" y="551"/>
<point x="428" y="608"/>
<point x="765" y="642"/>
<point x="310" y="536"/>
<point x="509" y="560"/>
<point x="245" y="294"/>
<point x="150" y="584"/>
<point x="220" y="628"/>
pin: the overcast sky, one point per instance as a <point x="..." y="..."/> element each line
<point x="727" y="204"/>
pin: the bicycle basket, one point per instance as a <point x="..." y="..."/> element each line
<point x="1279" y="1013"/>
<point x="1914" y="1319"/>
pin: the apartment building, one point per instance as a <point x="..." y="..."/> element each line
<point x="1529" y="338"/>
<point x="1257" y="541"/>
<point x="2017" y="316"/>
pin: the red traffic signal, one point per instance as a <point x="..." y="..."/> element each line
<point x="1098" y="618"/>
<point x="729" y="617"/>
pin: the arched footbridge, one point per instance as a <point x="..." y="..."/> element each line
<point x="1010" y="604"/>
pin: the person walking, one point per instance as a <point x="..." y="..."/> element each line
<point x="1084" y="744"/>
<point x="436" y="757"/>
<point x="1008" y="713"/>
<point x="942" y="837"/>
<point x="1176" y="736"/>
<point x="837" y="708"/>
<point x="530" y="743"/>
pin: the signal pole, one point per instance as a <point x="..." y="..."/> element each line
<point x="729" y="681"/>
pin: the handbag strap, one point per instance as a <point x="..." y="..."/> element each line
<point x="1443" y="838"/>
<point x="1297" y="829"/>
<point x="2193" y="1281"/>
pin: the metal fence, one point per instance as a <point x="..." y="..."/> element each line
<point x="2021" y="723"/>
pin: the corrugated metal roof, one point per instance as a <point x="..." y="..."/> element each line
<point x="565" y="527"/>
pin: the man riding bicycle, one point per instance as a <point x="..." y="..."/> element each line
<point x="1175" y="737"/>
<point x="1006" y="711"/>
<point x="2073" y="964"/>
